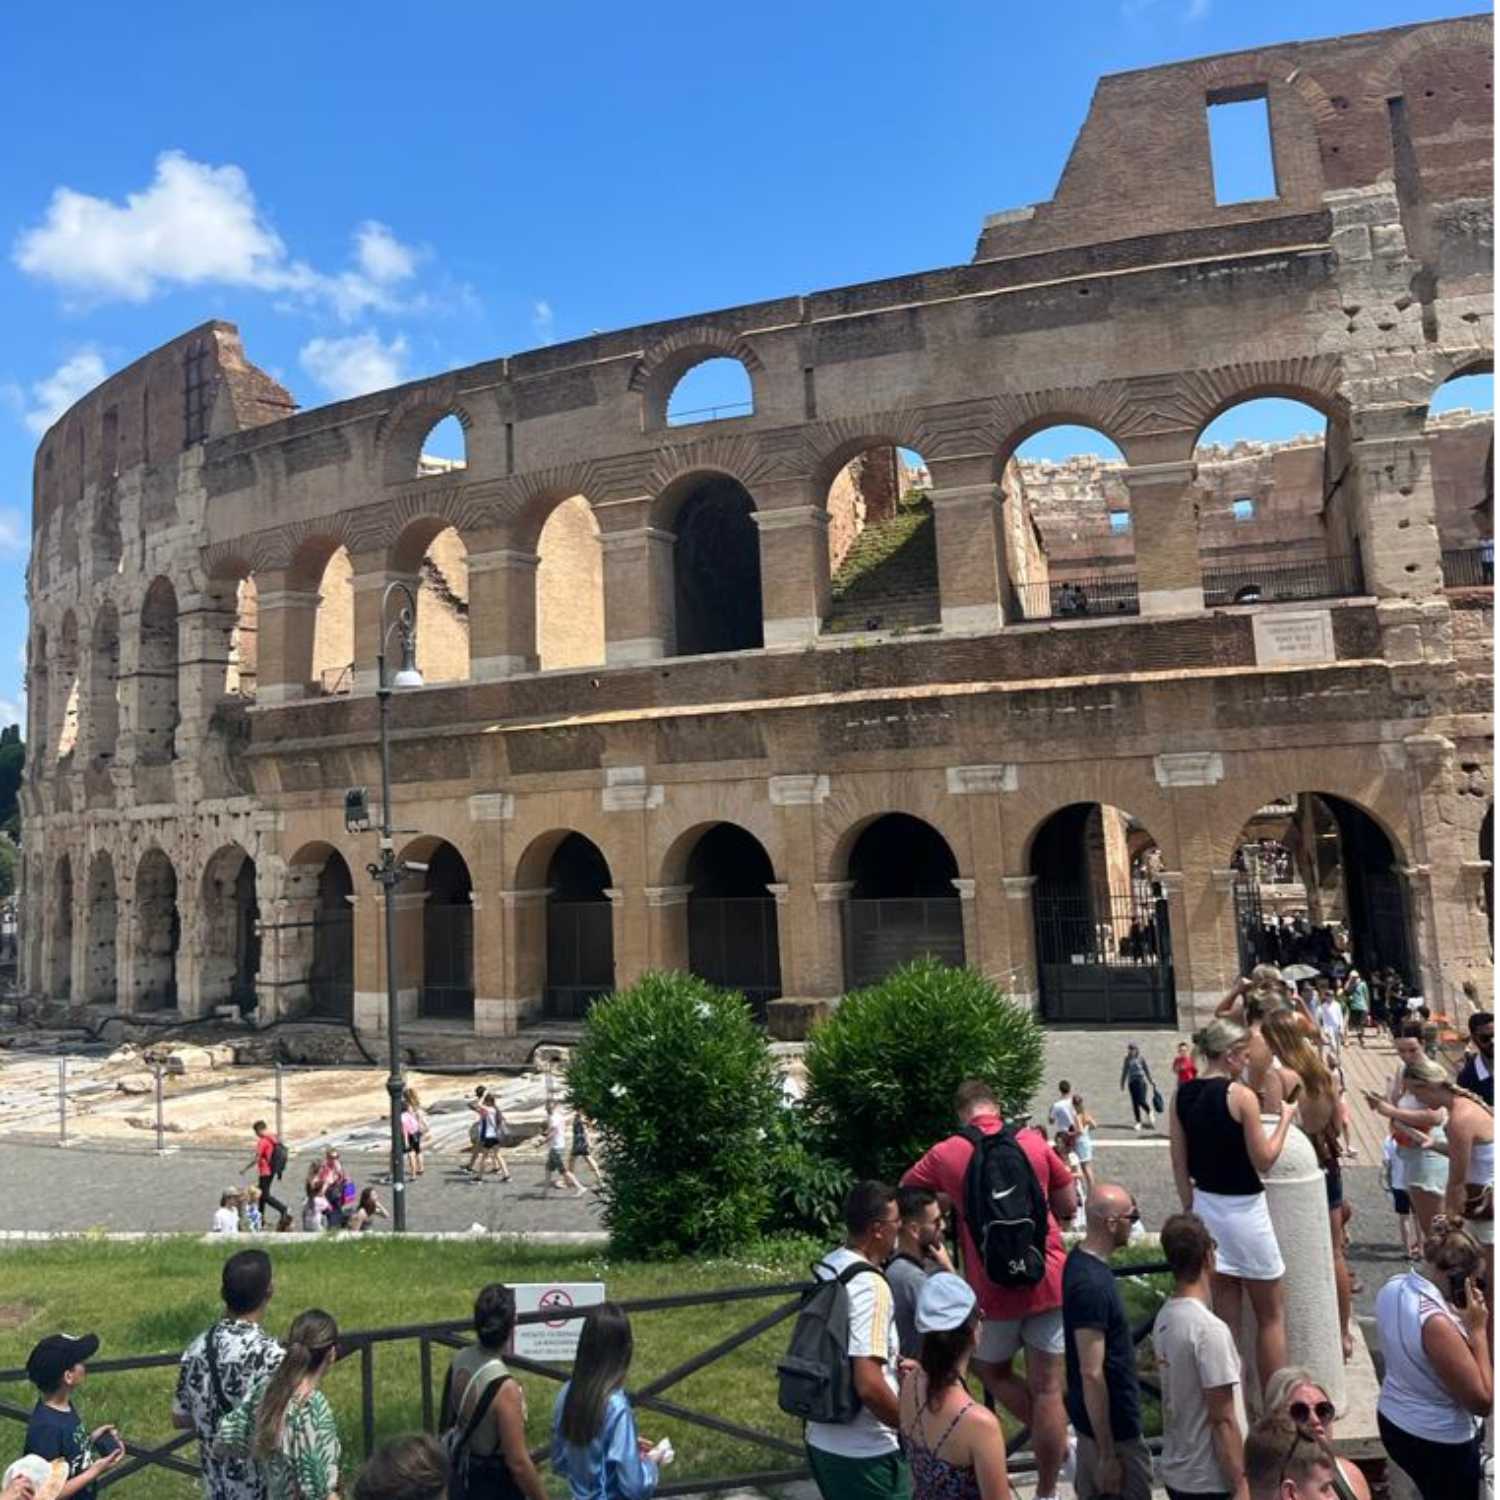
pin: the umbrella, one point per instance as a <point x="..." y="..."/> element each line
<point x="1295" y="972"/>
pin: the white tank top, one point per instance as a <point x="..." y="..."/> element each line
<point x="1481" y="1163"/>
<point x="1412" y="1396"/>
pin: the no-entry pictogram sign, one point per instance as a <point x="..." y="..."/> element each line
<point x="556" y="1338"/>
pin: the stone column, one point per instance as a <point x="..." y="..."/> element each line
<point x="369" y="961"/>
<point x="129" y="689"/>
<point x="502" y="611"/>
<point x="191" y="951"/>
<point x="1174" y="889"/>
<point x="974" y="944"/>
<point x="639" y="607"/>
<point x="370" y="1004"/>
<point x="204" y="623"/>
<point x="286" y="620"/>
<point x="522" y="963"/>
<point x="1025" y="985"/>
<point x="627" y="934"/>
<point x="1164" y="518"/>
<point x="1395" y="513"/>
<point x="288" y="899"/>
<point x="666" y="921"/>
<point x="793" y="573"/>
<point x="970" y="536"/>
<point x="831" y="897"/>
<point x="372" y="572"/>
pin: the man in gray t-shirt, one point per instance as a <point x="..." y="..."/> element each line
<point x="919" y="1252"/>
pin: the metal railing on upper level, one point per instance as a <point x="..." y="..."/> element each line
<point x="1469" y="567"/>
<point x="1079" y="598"/>
<point x="334" y="681"/>
<point x="689" y="415"/>
<point x="1316" y="578"/>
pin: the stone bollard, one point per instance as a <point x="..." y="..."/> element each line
<point x="1298" y="1202"/>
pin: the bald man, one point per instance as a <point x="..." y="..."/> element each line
<point x="1104" y="1396"/>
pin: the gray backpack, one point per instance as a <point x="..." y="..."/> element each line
<point x="814" y="1380"/>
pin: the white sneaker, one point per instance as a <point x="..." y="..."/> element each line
<point x="1137" y="1127"/>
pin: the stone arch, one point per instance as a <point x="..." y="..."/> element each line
<point x="430" y="551"/>
<point x="1384" y="77"/>
<point x="106" y="545"/>
<point x="1463" y="479"/>
<point x="660" y="368"/>
<point x="156" y="932"/>
<point x="435" y="933"/>
<point x="101" y="952"/>
<point x="156" y="675"/>
<point x="104" y="685"/>
<point x="404" y="429"/>
<point x="576" y="947"/>
<point x="569" y="586"/>
<point x="316" y="951"/>
<point x="60" y="925"/>
<point x="68" y="687"/>
<point x="229" y="914"/>
<point x="1314" y="380"/>
<point x="324" y="655"/>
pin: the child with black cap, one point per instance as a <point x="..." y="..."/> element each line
<point x="56" y="1368"/>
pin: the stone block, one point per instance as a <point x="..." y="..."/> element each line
<point x="791" y="1019"/>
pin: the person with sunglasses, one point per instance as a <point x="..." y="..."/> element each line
<point x="1296" y="1394"/>
<point x="1285" y="1462"/>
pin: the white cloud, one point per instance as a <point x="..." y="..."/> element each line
<point x="354" y="365"/>
<point x="542" y="321"/>
<point x="12" y="712"/>
<point x="13" y="534"/>
<point x="53" y="394"/>
<point x="197" y="224"/>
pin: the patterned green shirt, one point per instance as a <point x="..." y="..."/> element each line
<point x="305" y="1465"/>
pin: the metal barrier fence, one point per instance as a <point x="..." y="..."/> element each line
<point x="1469" y="567"/>
<point x="1079" y="598"/>
<point x="648" y="1397"/>
<point x="1317" y="578"/>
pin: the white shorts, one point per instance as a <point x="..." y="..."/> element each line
<point x="1000" y="1338"/>
<point x="1241" y="1223"/>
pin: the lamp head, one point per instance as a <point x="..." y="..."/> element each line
<point x="407" y="675"/>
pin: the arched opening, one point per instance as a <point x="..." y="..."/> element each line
<point x="447" y="972"/>
<point x="156" y="676"/>
<point x="38" y="703"/>
<point x="902" y="901"/>
<point x="1342" y="899"/>
<point x="330" y="969"/>
<point x="333" y="627"/>
<point x="711" y="391"/>
<point x="1275" y="521"/>
<point x="231" y="931"/>
<point x="570" y="588"/>
<point x="101" y="957"/>
<point x="443" y="610"/>
<point x="882" y="546"/>
<point x="732" y="935"/>
<point x="716" y="568"/>
<point x="580" y="928"/>
<point x="157" y="933"/>
<point x="239" y="669"/>
<point x="68" y="686"/>
<point x="106" y="544"/>
<point x="1461" y="447"/>
<point x="1069" y="532"/>
<point x="1103" y="933"/>
<point x="104" y="686"/>
<point x="444" y="449"/>
<point x="60" y="915"/>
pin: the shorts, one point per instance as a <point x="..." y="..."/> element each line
<point x="1000" y="1338"/>
<point x="1400" y="1202"/>
<point x="554" y="1160"/>
<point x="841" y="1478"/>
<point x="414" y="1143"/>
<point x="1333" y="1185"/>
<point x="1084" y="1147"/>
<point x="1426" y="1170"/>
<point x="580" y="1148"/>
<point x="1241" y="1223"/>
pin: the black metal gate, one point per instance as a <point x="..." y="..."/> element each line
<point x="881" y="935"/>
<point x="1104" y="961"/>
<point x="447" y="961"/>
<point x="330" y="976"/>
<point x="580" y="956"/>
<point x="1385" y="939"/>
<point x="733" y="942"/>
<point x="1250" y="925"/>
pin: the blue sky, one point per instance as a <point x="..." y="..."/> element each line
<point x="377" y="191"/>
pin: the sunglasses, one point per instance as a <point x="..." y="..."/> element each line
<point x="1301" y="1413"/>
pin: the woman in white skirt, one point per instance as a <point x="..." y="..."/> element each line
<point x="1219" y="1151"/>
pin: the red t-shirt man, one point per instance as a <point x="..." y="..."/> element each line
<point x="1184" y="1067"/>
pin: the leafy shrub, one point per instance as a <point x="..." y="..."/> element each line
<point x="685" y="1094"/>
<point x="882" y="1069"/>
<point x="808" y="1183"/>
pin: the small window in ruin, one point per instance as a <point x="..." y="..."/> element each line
<point x="711" y="391"/>
<point x="1243" y="508"/>
<point x="1239" y="136"/>
<point x="197" y="393"/>
<point x="1119" y="521"/>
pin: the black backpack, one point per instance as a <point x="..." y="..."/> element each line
<point x="813" y="1378"/>
<point x="1005" y="1208"/>
<point x="278" y="1158"/>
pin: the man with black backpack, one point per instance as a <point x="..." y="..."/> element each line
<point x="219" y="1367"/>
<point x="1009" y="1189"/>
<point x="841" y="1373"/>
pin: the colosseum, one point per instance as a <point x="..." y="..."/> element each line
<point x="788" y="693"/>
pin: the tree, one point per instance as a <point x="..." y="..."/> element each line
<point x="12" y="763"/>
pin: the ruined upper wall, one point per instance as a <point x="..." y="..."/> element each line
<point x="1142" y="165"/>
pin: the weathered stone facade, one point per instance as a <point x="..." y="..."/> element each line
<point x="652" y="754"/>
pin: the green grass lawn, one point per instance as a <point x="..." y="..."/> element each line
<point x="153" y="1297"/>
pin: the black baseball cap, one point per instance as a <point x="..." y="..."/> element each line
<point x="56" y="1355"/>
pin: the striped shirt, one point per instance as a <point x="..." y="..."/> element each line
<point x="872" y="1335"/>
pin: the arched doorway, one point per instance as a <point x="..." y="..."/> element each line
<point x="447" y="984"/>
<point x="580" y="928"/>
<point x="716" y="569"/>
<point x="1342" y="899"/>
<point x="732" y="932"/>
<point x="902" y="901"/>
<point x="101" y="957"/>
<point x="60" y="974"/>
<point x="157" y="934"/>
<point x="1103" y="935"/>
<point x="231" y="931"/>
<point x="330" y="970"/>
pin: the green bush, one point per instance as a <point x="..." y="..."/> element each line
<point x="808" y="1183"/>
<point x="882" y="1069"/>
<point x="685" y="1094"/>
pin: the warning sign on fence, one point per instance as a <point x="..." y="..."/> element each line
<point x="556" y="1339"/>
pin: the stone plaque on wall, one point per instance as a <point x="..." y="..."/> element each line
<point x="1282" y="639"/>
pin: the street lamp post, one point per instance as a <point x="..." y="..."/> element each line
<point x="388" y="872"/>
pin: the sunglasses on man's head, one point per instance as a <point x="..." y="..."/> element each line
<point x="1301" y="1413"/>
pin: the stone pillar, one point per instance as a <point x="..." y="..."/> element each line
<point x="1417" y="888"/>
<point x="1395" y="513"/>
<point x="125" y="947"/>
<point x="129" y="690"/>
<point x="1164" y="518"/>
<point x="369" y="961"/>
<point x="793" y="573"/>
<point x="191" y="950"/>
<point x="1025" y="982"/>
<point x="1184" y="949"/>
<point x="288" y="899"/>
<point x="831" y="897"/>
<point x="286" y="621"/>
<point x="502" y="611"/>
<point x="974" y="944"/>
<point x="639" y="607"/>
<point x="970" y="536"/>
<point x="666" y="922"/>
<point x="522" y="963"/>
<point x="370" y="1004"/>
<point x="205" y="623"/>
<point x="372" y="572"/>
<point x="627" y="933"/>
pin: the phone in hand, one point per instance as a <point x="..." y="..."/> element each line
<point x="108" y="1442"/>
<point x="1293" y="1092"/>
<point x="1458" y="1289"/>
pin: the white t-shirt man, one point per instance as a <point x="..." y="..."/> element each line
<point x="1195" y="1351"/>
<point x="1331" y="1019"/>
<point x="226" y="1221"/>
<point x="557" y="1131"/>
<point x="872" y="1335"/>
<point x="1062" y="1116"/>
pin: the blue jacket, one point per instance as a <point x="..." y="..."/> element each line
<point x="611" y="1467"/>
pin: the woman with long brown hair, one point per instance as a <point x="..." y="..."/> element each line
<point x="285" y="1422"/>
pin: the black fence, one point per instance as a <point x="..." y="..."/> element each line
<point x="1469" y="567"/>
<point x="447" y="961"/>
<point x="1104" y="959"/>
<point x="1079" y="598"/>
<point x="580" y="956"/>
<point x="734" y="942"/>
<point x="330" y="977"/>
<point x="1317" y="578"/>
<point x="881" y="935"/>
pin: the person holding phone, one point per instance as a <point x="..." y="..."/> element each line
<point x="1438" y="1384"/>
<point x="56" y="1367"/>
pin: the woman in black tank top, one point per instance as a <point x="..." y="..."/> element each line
<point x="1219" y="1151"/>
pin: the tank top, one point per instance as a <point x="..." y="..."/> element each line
<point x="936" y="1478"/>
<point x="1481" y="1164"/>
<point x="1217" y="1159"/>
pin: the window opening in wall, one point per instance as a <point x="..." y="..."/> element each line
<point x="1119" y="521"/>
<point x="1239" y="136"/>
<point x="443" y="449"/>
<point x="1242" y="508"/>
<point x="197" y="394"/>
<point x="711" y="391"/>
